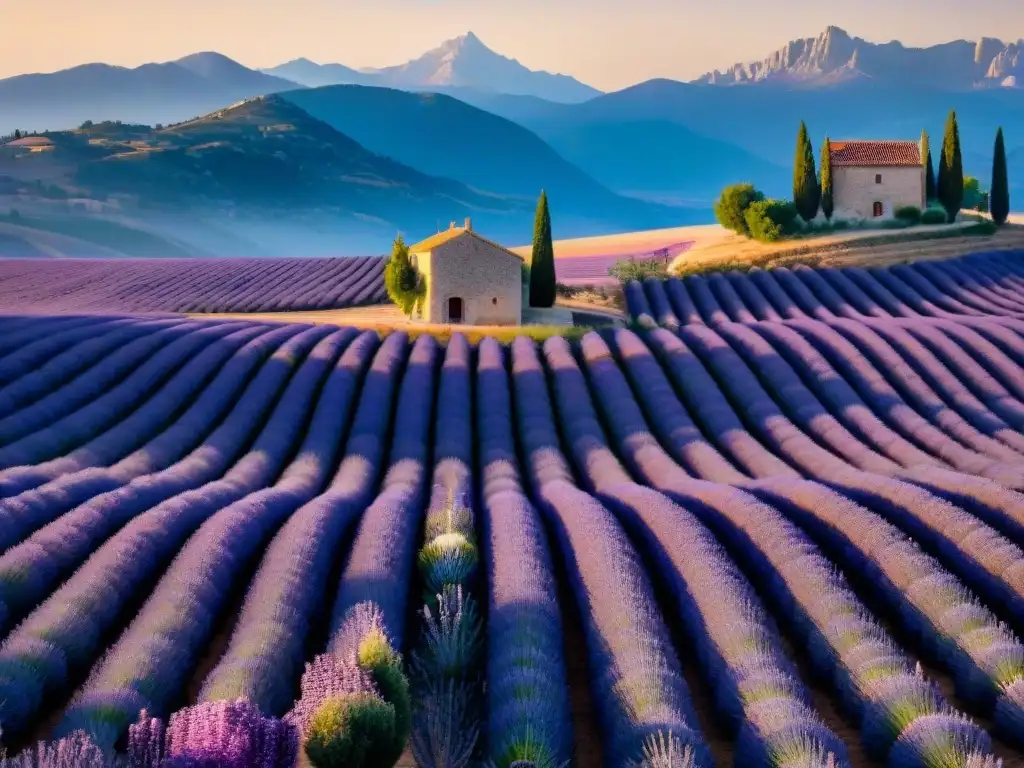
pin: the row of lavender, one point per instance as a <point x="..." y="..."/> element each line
<point x="979" y="285"/>
<point x="190" y="285"/>
<point x="667" y="514"/>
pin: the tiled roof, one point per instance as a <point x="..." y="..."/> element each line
<point x="875" y="153"/>
<point x="435" y="241"/>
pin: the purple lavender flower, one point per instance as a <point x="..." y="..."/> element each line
<point x="230" y="734"/>
<point x="76" y="750"/>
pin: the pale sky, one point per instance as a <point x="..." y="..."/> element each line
<point x="607" y="44"/>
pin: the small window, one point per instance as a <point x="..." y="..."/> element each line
<point x="877" y="210"/>
<point x="494" y="301"/>
<point x="412" y="260"/>
<point x="878" y="178"/>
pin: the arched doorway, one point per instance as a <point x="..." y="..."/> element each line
<point x="455" y="309"/>
<point x="877" y="210"/>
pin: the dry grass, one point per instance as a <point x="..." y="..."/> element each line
<point x="875" y="248"/>
<point x="385" y="319"/>
<point x="630" y="242"/>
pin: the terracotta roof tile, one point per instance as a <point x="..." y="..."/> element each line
<point x="875" y="153"/>
<point x="435" y="241"/>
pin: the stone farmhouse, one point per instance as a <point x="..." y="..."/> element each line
<point x="469" y="279"/>
<point x="871" y="179"/>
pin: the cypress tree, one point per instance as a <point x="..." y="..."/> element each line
<point x="929" y="169"/>
<point x="827" y="203"/>
<point x="806" y="192"/>
<point x="951" y="170"/>
<point x="999" y="194"/>
<point x="542" y="261"/>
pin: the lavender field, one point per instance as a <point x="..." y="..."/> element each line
<point x="189" y="285"/>
<point x="781" y="525"/>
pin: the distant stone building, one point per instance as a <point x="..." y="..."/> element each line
<point x="871" y="179"/>
<point x="469" y="279"/>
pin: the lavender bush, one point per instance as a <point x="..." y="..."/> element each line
<point x="64" y="633"/>
<point x="527" y="696"/>
<point x="635" y="675"/>
<point x="191" y="285"/>
<point x="152" y="658"/>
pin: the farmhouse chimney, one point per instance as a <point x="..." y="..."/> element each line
<point x="469" y="224"/>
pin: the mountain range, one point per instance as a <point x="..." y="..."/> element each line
<point x="835" y="56"/>
<point x="483" y="134"/>
<point x="463" y="62"/>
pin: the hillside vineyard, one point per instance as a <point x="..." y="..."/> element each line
<point x="781" y="525"/>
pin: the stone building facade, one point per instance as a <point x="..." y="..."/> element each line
<point x="871" y="179"/>
<point x="469" y="279"/>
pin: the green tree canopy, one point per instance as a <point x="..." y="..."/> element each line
<point x="542" y="260"/>
<point x="951" y="170"/>
<point x="404" y="284"/>
<point x="827" y="200"/>
<point x="972" y="192"/>
<point x="806" y="192"/>
<point x="999" y="195"/>
<point x="731" y="207"/>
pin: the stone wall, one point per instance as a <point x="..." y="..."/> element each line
<point x="485" y="277"/>
<point x="855" y="190"/>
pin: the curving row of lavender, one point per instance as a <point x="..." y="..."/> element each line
<point x="189" y="285"/>
<point x="782" y="540"/>
<point x="966" y="288"/>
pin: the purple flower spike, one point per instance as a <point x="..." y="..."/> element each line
<point x="146" y="741"/>
<point x="326" y="677"/>
<point x="230" y="734"/>
<point x="939" y="740"/>
<point x="77" y="750"/>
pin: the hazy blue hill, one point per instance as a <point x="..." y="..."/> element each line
<point x="659" y="158"/>
<point x="443" y="136"/>
<point x="151" y="93"/>
<point x="762" y="118"/>
<point x="228" y="73"/>
<point x="314" y="75"/>
<point x="268" y="152"/>
<point x="263" y="157"/>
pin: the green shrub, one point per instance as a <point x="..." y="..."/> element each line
<point x="770" y="220"/>
<point x="566" y="291"/>
<point x="626" y="270"/>
<point x="933" y="216"/>
<point x="972" y="193"/>
<point x="353" y="731"/>
<point x="909" y="213"/>
<point x="404" y="284"/>
<point x="376" y="655"/>
<point x="731" y="207"/>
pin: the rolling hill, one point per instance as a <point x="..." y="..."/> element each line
<point x="443" y="136"/>
<point x="762" y="118"/>
<point x="660" y="159"/>
<point x="263" y="157"/>
<point x="151" y="93"/>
